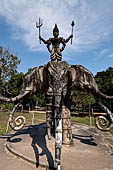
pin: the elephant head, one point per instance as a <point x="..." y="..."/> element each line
<point x="58" y="81"/>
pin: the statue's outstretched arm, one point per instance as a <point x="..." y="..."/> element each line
<point x="71" y="36"/>
<point x="44" y="41"/>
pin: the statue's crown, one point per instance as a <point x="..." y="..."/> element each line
<point x="55" y="29"/>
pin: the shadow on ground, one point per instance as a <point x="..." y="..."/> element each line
<point x="85" y="139"/>
<point x="37" y="133"/>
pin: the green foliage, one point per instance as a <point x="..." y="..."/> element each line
<point x="8" y="64"/>
<point x="15" y="84"/>
<point x="81" y="100"/>
<point x="6" y="107"/>
<point x="40" y="99"/>
<point x="104" y="81"/>
<point x="8" y="67"/>
<point x="32" y="100"/>
<point x="84" y="120"/>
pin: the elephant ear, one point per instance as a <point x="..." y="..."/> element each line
<point x="82" y="79"/>
<point x="34" y="80"/>
<point x="33" y="83"/>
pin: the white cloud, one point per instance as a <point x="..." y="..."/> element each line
<point x="103" y="52"/>
<point x="93" y="20"/>
<point x="110" y="55"/>
<point x="100" y="54"/>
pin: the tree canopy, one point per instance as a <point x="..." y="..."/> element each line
<point x="15" y="84"/>
<point x="82" y="100"/>
<point x="8" y="67"/>
<point x="104" y="80"/>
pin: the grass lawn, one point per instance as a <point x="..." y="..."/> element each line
<point x="39" y="117"/>
<point x="84" y="120"/>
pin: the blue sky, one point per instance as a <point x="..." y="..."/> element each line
<point x="93" y="32"/>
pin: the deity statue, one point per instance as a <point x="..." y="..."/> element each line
<point x="55" y="42"/>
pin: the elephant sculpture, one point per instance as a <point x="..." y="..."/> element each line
<point x="58" y="80"/>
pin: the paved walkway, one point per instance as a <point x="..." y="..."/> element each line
<point x="10" y="162"/>
<point x="91" y="150"/>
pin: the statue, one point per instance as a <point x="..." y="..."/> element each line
<point x="58" y="80"/>
<point x="55" y="42"/>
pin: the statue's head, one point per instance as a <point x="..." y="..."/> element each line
<point x="55" y="31"/>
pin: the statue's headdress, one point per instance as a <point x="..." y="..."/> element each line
<point x="55" y="29"/>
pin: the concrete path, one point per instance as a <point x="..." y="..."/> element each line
<point x="91" y="149"/>
<point x="9" y="161"/>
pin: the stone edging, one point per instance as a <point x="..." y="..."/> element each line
<point x="109" y="145"/>
<point x="10" y="149"/>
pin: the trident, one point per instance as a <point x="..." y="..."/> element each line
<point x="72" y="24"/>
<point x="38" y="25"/>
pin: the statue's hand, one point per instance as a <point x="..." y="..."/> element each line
<point x="40" y="37"/>
<point x="71" y="36"/>
<point x="61" y="49"/>
<point x="49" y="49"/>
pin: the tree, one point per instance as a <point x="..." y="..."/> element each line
<point x="11" y="81"/>
<point x="82" y="100"/>
<point x="15" y="84"/>
<point x="8" y="67"/>
<point x="104" y="81"/>
<point x="32" y="100"/>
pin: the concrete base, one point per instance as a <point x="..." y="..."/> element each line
<point x="90" y="149"/>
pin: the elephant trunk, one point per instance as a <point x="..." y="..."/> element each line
<point x="14" y="99"/>
<point x="104" y="96"/>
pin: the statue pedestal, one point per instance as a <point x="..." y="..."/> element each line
<point x="66" y="126"/>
